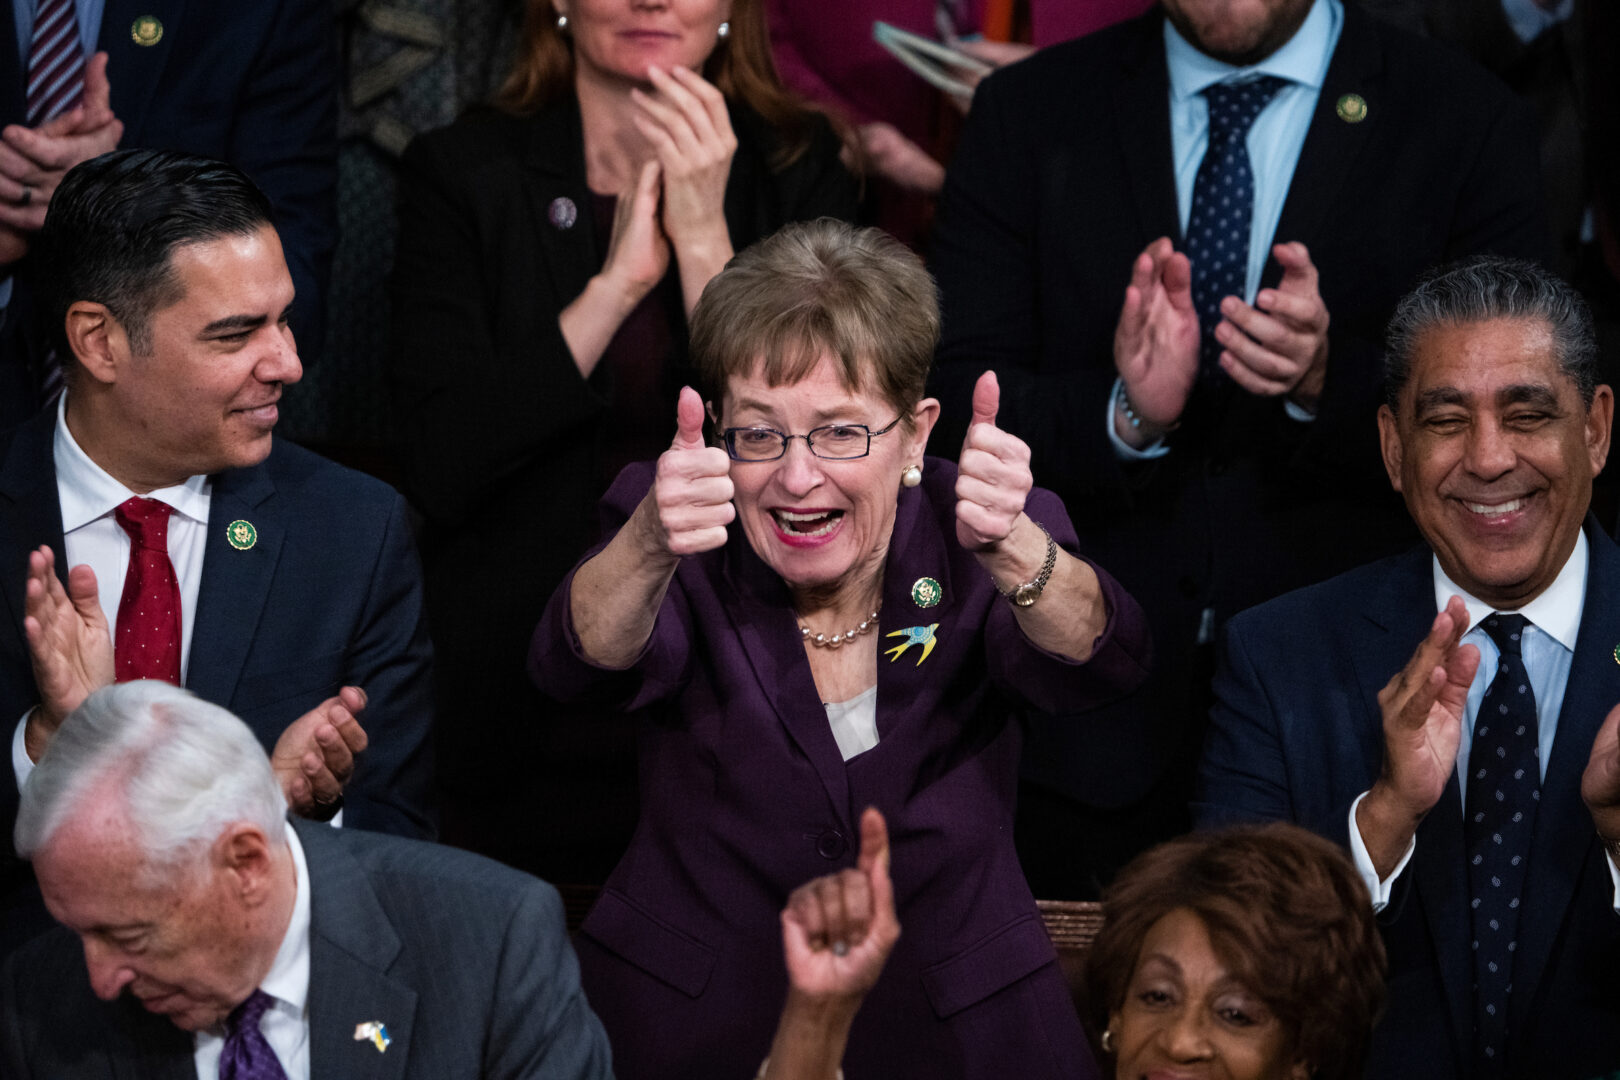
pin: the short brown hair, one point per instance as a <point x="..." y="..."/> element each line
<point x="814" y="289"/>
<point x="1287" y="914"/>
<point x="740" y="67"/>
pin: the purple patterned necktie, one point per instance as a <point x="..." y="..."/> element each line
<point x="247" y="1056"/>
<point x="55" y="62"/>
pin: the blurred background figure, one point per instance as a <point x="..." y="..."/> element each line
<point x="550" y="251"/>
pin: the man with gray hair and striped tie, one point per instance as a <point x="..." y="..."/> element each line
<point x="275" y="950"/>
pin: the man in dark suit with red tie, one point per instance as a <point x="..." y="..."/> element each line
<point x="202" y="551"/>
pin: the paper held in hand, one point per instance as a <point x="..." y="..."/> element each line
<point x="938" y="64"/>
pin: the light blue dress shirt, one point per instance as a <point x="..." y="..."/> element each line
<point x="1279" y="131"/>
<point x="1530" y="20"/>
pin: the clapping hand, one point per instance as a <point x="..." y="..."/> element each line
<point x="314" y="758"/>
<point x="68" y="641"/>
<point x="1156" y="340"/>
<point x="1600" y="783"/>
<point x="1279" y="346"/>
<point x="687" y="123"/>
<point x="692" y="492"/>
<point x="34" y="160"/>
<point x="993" y="477"/>
<point x="838" y="930"/>
<point x="638" y="252"/>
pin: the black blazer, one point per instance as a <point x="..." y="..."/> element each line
<point x="1063" y="176"/>
<point x="254" y="84"/>
<point x="1297" y="734"/>
<point x="499" y="435"/>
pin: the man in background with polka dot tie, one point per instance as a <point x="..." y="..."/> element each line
<point x="1450" y="714"/>
<point x="203" y="552"/>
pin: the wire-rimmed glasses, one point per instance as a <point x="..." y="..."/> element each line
<point x="830" y="442"/>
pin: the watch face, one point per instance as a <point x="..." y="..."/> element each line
<point x="1025" y="595"/>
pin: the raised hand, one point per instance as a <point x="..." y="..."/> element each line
<point x="892" y="155"/>
<point x="1156" y="342"/>
<point x="686" y="122"/>
<point x="1600" y="783"/>
<point x="993" y="477"/>
<point x="68" y="641"/>
<point x="638" y="253"/>
<point x="314" y="758"/>
<point x="1423" y="707"/>
<point x="692" y="493"/>
<point x="34" y="160"/>
<point x="838" y="930"/>
<point x="1280" y="345"/>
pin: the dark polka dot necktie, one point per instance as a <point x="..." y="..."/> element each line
<point x="146" y="640"/>
<point x="1504" y="787"/>
<point x="1222" y="212"/>
<point x="247" y="1054"/>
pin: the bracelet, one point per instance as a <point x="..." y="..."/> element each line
<point x="1132" y="417"/>
<point x="1026" y="594"/>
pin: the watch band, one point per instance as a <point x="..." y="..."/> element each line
<point x="1026" y="594"/>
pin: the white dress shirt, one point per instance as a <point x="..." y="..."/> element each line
<point x="1547" y="648"/>
<point x="285" y="1023"/>
<point x="854" y="722"/>
<point x="93" y="537"/>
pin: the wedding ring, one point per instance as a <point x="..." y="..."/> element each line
<point x="26" y="197"/>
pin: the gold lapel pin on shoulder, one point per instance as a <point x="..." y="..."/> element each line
<point x="1352" y="108"/>
<point x="374" y="1030"/>
<point x="146" y="30"/>
<point x="926" y="592"/>
<point x="241" y="535"/>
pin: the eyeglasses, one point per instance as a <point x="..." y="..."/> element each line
<point x="833" y="442"/>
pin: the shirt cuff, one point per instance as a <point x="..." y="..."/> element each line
<point x="1614" y="875"/>
<point x="21" y="765"/>
<point x="1297" y="412"/>
<point x="1380" y="889"/>
<point x="1122" y="449"/>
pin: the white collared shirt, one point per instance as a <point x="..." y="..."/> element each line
<point x="92" y="536"/>
<point x="1547" y="648"/>
<point x="285" y="1023"/>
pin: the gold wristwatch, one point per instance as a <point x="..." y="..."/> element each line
<point x="1026" y="594"/>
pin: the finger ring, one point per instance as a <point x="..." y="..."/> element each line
<point x="26" y="197"/>
<point x="839" y="948"/>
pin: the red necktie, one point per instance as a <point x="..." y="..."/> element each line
<point x="147" y="638"/>
<point x="55" y="62"/>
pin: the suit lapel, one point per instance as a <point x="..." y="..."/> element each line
<point x="1142" y="123"/>
<point x="13" y="104"/>
<point x="235" y="586"/>
<point x="30" y="509"/>
<point x="134" y="70"/>
<point x="1397" y="617"/>
<point x="1564" y="835"/>
<point x="157" y="1050"/>
<point x="763" y="618"/>
<point x="1332" y="145"/>
<point x="568" y="248"/>
<point x="352" y="944"/>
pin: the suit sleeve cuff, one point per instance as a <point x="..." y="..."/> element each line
<point x="1380" y="889"/>
<point x="21" y="766"/>
<point x="1122" y="449"/>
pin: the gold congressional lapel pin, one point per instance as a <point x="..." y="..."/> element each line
<point x="146" y="30"/>
<point x="1352" y="108"/>
<point x="374" y="1030"/>
<point x="914" y="635"/>
<point x="241" y="535"/>
<point x="926" y="592"/>
<point x="1617" y="654"/>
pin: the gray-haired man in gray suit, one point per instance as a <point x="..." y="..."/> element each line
<point x="160" y="840"/>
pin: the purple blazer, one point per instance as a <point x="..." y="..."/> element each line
<point x="744" y="796"/>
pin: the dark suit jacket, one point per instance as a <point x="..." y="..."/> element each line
<point x="745" y="796"/>
<point x="254" y="84"/>
<point x="500" y="437"/>
<point x="1297" y="734"/>
<point x="466" y="962"/>
<point x="329" y="595"/>
<point x="1063" y="176"/>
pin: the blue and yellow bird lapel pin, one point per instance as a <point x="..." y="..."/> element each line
<point x="914" y="635"/>
<point x="374" y="1030"/>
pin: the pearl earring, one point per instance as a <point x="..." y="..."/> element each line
<point x="912" y="476"/>
<point x="724" y="31"/>
<point x="562" y="24"/>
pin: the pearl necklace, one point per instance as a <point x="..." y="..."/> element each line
<point x="822" y="641"/>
